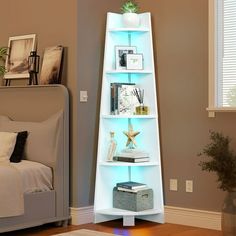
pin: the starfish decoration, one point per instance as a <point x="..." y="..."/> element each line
<point x="131" y="135"/>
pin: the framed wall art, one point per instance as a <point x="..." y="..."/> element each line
<point x="134" y="61"/>
<point x="19" y="48"/>
<point x="121" y="52"/>
<point x="51" y="65"/>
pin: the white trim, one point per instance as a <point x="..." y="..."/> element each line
<point x="83" y="215"/>
<point x="193" y="217"/>
<point x="211" y="55"/>
<point x="174" y="215"/>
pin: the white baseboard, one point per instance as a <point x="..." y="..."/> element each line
<point x="174" y="215"/>
<point x="193" y="217"/>
<point x="83" y="215"/>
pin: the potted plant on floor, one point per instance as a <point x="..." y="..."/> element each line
<point x="222" y="160"/>
<point x="130" y="16"/>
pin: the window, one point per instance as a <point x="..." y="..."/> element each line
<point x="222" y="55"/>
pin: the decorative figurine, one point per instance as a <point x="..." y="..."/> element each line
<point x="131" y="135"/>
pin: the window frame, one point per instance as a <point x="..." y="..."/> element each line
<point x="212" y="81"/>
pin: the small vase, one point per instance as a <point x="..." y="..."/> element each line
<point x="228" y="218"/>
<point x="131" y="20"/>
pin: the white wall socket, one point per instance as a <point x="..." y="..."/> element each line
<point x="189" y="186"/>
<point x="173" y="185"/>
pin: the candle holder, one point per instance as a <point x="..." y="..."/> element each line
<point x="33" y="67"/>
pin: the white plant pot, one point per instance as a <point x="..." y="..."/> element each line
<point x="131" y="20"/>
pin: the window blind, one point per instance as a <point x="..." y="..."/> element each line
<point x="226" y="52"/>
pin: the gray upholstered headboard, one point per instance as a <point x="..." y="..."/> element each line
<point x="33" y="103"/>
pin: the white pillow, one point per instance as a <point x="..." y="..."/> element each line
<point x="7" y="144"/>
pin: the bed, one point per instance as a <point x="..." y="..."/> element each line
<point x="44" y="112"/>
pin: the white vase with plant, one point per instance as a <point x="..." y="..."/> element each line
<point x="130" y="16"/>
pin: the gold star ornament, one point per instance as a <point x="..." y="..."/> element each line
<point x="131" y="135"/>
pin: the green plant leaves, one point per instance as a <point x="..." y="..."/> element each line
<point x="3" y="53"/>
<point x="129" y="7"/>
<point x="222" y="160"/>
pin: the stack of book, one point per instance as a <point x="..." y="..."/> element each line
<point x="131" y="186"/>
<point x="134" y="157"/>
<point x="123" y="101"/>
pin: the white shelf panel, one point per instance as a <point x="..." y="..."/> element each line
<point x="120" y="163"/>
<point x="141" y="29"/>
<point x="129" y="71"/>
<point x="129" y="116"/>
<point x="120" y="212"/>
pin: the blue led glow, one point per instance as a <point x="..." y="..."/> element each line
<point x="123" y="232"/>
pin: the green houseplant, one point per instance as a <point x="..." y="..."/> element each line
<point x="222" y="161"/>
<point x="129" y="9"/>
<point x="3" y="53"/>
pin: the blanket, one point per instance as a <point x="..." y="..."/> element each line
<point x="11" y="192"/>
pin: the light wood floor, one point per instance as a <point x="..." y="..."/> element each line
<point x="141" y="228"/>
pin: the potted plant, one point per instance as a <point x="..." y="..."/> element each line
<point x="222" y="161"/>
<point x="130" y="16"/>
<point x="3" y="53"/>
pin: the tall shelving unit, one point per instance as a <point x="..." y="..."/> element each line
<point x="110" y="173"/>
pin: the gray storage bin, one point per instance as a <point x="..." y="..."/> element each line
<point x="139" y="201"/>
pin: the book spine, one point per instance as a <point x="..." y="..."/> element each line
<point x="125" y="159"/>
<point x="123" y="186"/>
<point x="127" y="190"/>
<point x="112" y="101"/>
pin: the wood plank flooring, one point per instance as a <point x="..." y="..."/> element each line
<point x="141" y="228"/>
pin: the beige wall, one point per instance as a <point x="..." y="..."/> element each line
<point x="54" y="22"/>
<point x="180" y="42"/>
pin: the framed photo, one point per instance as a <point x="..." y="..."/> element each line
<point x="134" y="61"/>
<point x="121" y="52"/>
<point x="19" y="48"/>
<point x="51" y="65"/>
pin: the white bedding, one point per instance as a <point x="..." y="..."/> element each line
<point x="36" y="177"/>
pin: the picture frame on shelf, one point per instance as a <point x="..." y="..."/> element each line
<point x="19" y="48"/>
<point x="120" y="54"/>
<point x="134" y="61"/>
<point x="52" y="65"/>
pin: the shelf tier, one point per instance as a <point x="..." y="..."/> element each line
<point x="129" y="116"/>
<point x="120" y="212"/>
<point x="129" y="30"/>
<point x="120" y="163"/>
<point x="129" y="72"/>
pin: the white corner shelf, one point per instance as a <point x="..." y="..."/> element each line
<point x="108" y="174"/>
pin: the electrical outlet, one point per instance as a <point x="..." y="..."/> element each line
<point x="173" y="185"/>
<point x="189" y="186"/>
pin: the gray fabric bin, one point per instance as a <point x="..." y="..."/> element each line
<point x="139" y="201"/>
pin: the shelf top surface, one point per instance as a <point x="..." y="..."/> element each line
<point x="123" y="29"/>
<point x="120" y="163"/>
<point x="128" y="116"/>
<point x="115" y="211"/>
<point x="129" y="71"/>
